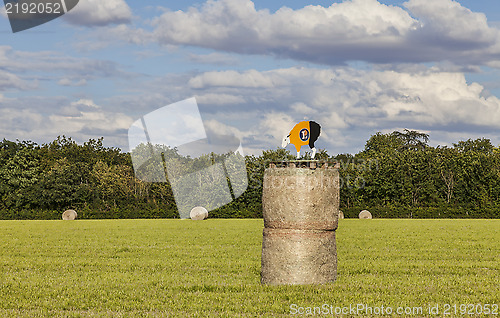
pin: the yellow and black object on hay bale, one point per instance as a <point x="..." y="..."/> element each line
<point x="300" y="202"/>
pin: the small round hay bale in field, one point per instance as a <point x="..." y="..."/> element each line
<point x="365" y="214"/>
<point x="69" y="215"/>
<point x="198" y="213"/>
<point x="341" y="215"/>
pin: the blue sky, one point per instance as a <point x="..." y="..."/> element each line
<point x="256" y="68"/>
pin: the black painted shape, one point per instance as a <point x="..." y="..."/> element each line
<point x="27" y="14"/>
<point x="315" y="132"/>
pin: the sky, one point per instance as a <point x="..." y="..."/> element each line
<point x="256" y="68"/>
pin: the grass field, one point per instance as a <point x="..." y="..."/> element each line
<point x="183" y="268"/>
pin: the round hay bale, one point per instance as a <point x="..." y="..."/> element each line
<point x="198" y="213"/>
<point x="301" y="198"/>
<point x="365" y="214"/>
<point x="291" y="257"/>
<point x="341" y="215"/>
<point x="69" y="215"/>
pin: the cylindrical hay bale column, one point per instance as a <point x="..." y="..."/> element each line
<point x="291" y="257"/>
<point x="301" y="198"/>
<point x="300" y="208"/>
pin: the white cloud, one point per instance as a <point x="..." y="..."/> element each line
<point x="81" y="119"/>
<point x="216" y="127"/>
<point x="444" y="20"/>
<point x="427" y="31"/>
<point x="86" y="102"/>
<point x="12" y="81"/>
<point x="335" y="121"/>
<point x="219" y="99"/>
<point x="260" y="107"/>
<point x="251" y="78"/>
<point x="302" y="108"/>
<point x="19" y="122"/>
<point x="84" y="115"/>
<point x="350" y="104"/>
<point x="99" y="13"/>
<point x="274" y="126"/>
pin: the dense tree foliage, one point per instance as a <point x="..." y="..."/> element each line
<point x="396" y="175"/>
<point x="400" y="174"/>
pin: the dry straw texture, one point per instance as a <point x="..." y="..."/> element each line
<point x="198" y="213"/>
<point x="298" y="257"/>
<point x="301" y="198"/>
<point x="365" y="214"/>
<point x="69" y="215"/>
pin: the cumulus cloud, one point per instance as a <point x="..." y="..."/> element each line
<point x="99" y="13"/>
<point x="349" y="103"/>
<point x="448" y="21"/>
<point x="259" y="107"/>
<point x="82" y="119"/>
<point x="422" y="31"/>
<point x="9" y="80"/>
<point x="91" y="120"/>
<point x="302" y="108"/>
<point x="274" y="126"/>
<point x="19" y="122"/>
<point x="214" y="127"/>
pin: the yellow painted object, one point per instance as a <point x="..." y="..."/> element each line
<point x="300" y="134"/>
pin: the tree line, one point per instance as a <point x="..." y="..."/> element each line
<point x="396" y="175"/>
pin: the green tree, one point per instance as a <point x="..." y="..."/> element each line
<point x="114" y="183"/>
<point x="396" y="141"/>
<point x="412" y="139"/>
<point x="382" y="143"/>
<point x="447" y="167"/>
<point x="64" y="185"/>
<point x="19" y="171"/>
<point x="480" y="145"/>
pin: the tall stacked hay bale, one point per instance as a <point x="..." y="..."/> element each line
<point x="300" y="203"/>
<point x="69" y="215"/>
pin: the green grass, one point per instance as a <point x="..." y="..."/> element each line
<point x="182" y="268"/>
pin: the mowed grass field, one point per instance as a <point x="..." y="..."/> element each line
<point x="184" y="268"/>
